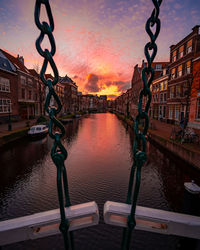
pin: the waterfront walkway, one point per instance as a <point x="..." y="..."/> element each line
<point x="15" y="126"/>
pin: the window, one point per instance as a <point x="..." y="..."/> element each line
<point x="165" y="97"/>
<point x="174" y="56"/>
<point x="178" y="91"/>
<point x="162" y="86"/>
<point x="180" y="70"/>
<point x="188" y="67"/>
<point x="164" y="111"/>
<point x="173" y="73"/>
<point x="35" y="96"/>
<point x="181" y="49"/>
<point x="158" y="67"/>
<point x="23" y="80"/>
<point x="4" y="85"/>
<point x="171" y="92"/>
<point x="170" y="112"/>
<point x="177" y="112"/>
<point x="198" y="109"/>
<point x="161" y="98"/>
<point x="29" y="94"/>
<point x="23" y="93"/>
<point x="5" y="106"/>
<point x="165" y="85"/>
<point x="30" y="82"/>
<point x="189" y="46"/>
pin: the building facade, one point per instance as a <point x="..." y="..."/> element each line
<point x="8" y="90"/>
<point x="181" y="75"/>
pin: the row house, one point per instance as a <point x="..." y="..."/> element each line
<point x="83" y="103"/>
<point x="137" y="85"/>
<point x="26" y="88"/>
<point x="8" y="90"/>
<point x="194" y="114"/>
<point x="70" y="95"/>
<point x="102" y="103"/>
<point x="60" y="91"/>
<point x="158" y="88"/>
<point x="181" y="75"/>
<point x="39" y="93"/>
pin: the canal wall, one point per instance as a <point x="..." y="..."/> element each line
<point x="188" y="153"/>
<point x="13" y="136"/>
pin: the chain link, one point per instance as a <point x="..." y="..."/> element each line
<point x="139" y="146"/>
<point x="58" y="152"/>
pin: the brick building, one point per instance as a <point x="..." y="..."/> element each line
<point x="39" y="94"/>
<point x="25" y="87"/>
<point x="70" y="95"/>
<point x="181" y="73"/>
<point x="194" y="114"/>
<point x="8" y="90"/>
<point x="137" y="83"/>
<point x="159" y="108"/>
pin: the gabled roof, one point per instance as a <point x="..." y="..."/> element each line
<point x="49" y="76"/>
<point x="33" y="72"/>
<point x="17" y="63"/>
<point x="66" y="79"/>
<point x="5" y="64"/>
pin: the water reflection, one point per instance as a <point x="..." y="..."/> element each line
<point x="98" y="164"/>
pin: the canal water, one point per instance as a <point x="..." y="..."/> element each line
<point x="98" y="165"/>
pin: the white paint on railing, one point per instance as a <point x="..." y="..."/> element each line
<point x="153" y="220"/>
<point x="47" y="223"/>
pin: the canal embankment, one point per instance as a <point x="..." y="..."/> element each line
<point x="159" y="133"/>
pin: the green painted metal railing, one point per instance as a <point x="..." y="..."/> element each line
<point x="59" y="153"/>
<point x="139" y="146"/>
<point x="56" y="129"/>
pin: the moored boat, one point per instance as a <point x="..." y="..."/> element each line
<point x="38" y="131"/>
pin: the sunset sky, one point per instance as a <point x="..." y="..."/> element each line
<point x="98" y="41"/>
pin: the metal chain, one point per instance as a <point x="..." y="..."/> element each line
<point x="58" y="152"/>
<point x="139" y="146"/>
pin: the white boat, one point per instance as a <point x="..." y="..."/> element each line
<point x="38" y="131"/>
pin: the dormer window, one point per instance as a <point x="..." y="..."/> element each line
<point x="181" y="49"/>
<point x="189" y="46"/>
<point x="174" y="56"/>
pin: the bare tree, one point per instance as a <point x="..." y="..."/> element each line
<point x="190" y="90"/>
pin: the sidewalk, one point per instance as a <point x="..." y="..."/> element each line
<point x="164" y="129"/>
<point x="15" y="126"/>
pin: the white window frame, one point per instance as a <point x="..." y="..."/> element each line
<point x="5" y="105"/>
<point x="170" y="112"/>
<point x="189" y="49"/>
<point x="177" y="112"/>
<point x="188" y="69"/>
<point x="171" y="93"/>
<point x="180" y="72"/>
<point x="23" y="80"/>
<point x="173" y="75"/>
<point x="4" y="85"/>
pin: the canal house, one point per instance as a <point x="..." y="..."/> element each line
<point x="181" y="74"/>
<point x="8" y="89"/>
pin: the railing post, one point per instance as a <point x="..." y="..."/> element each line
<point x="191" y="205"/>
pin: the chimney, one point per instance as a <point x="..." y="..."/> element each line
<point x="195" y="29"/>
<point x="21" y="59"/>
